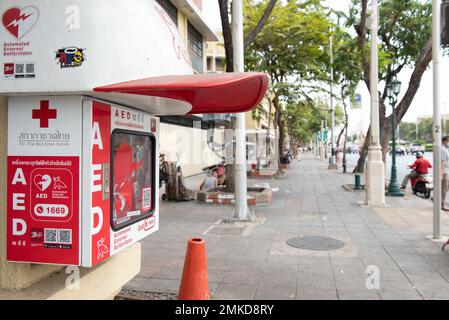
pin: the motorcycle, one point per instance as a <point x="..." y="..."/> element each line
<point x="286" y="157"/>
<point x="422" y="184"/>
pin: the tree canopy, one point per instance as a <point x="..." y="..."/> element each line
<point x="290" y="46"/>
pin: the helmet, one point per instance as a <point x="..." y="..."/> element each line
<point x="419" y="154"/>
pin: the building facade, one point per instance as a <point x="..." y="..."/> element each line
<point x="184" y="138"/>
<point x="216" y="56"/>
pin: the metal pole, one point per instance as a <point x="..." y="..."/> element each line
<point x="322" y="141"/>
<point x="241" y="205"/>
<point x="326" y="144"/>
<point x="346" y="142"/>
<point x="436" y="54"/>
<point x="332" y="159"/>
<point x="375" y="171"/>
<point x="393" y="188"/>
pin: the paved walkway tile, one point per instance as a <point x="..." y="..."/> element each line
<point x="311" y="294"/>
<point x="232" y="291"/>
<point x="358" y="295"/>
<point x="388" y="254"/>
<point x="267" y="292"/>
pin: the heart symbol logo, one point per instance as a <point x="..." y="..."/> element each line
<point x="20" y="21"/>
<point x="42" y="181"/>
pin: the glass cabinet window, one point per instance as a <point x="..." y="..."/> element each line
<point x="132" y="177"/>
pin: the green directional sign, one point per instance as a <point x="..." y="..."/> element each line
<point x="325" y="135"/>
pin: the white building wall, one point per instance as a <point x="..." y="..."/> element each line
<point x="189" y="145"/>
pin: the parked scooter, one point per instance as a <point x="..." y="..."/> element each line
<point x="422" y="184"/>
<point x="286" y="158"/>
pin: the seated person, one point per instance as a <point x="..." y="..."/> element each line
<point x="209" y="182"/>
<point x="221" y="175"/>
<point x="420" y="167"/>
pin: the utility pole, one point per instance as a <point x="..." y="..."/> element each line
<point x="322" y="141"/>
<point x="326" y="146"/>
<point x="436" y="57"/>
<point x="375" y="170"/>
<point x="332" y="161"/>
<point x="241" y="197"/>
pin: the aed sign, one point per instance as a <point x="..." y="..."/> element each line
<point x="44" y="150"/>
<point x="81" y="177"/>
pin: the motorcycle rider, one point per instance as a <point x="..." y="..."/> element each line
<point x="420" y="167"/>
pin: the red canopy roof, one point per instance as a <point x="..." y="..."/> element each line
<point x="207" y="93"/>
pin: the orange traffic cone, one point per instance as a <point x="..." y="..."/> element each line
<point x="194" y="283"/>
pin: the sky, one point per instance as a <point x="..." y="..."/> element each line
<point x="359" y="119"/>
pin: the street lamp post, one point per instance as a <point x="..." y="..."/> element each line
<point x="375" y="168"/>
<point x="393" y="90"/>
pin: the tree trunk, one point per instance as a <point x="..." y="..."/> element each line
<point x="280" y="126"/>
<point x="339" y="136"/>
<point x="263" y="20"/>
<point x="227" y="34"/>
<point x="346" y="139"/>
<point x="360" y="167"/>
<point x="268" y="137"/>
<point x="227" y="31"/>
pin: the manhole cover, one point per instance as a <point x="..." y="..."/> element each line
<point x="315" y="243"/>
<point x="227" y="231"/>
<point x="144" y="295"/>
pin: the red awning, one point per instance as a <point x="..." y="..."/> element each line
<point x="207" y="93"/>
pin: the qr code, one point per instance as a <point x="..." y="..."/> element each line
<point x="65" y="236"/>
<point x="19" y="67"/>
<point x="146" y="198"/>
<point x="30" y="68"/>
<point x="50" y="236"/>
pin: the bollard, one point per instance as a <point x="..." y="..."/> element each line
<point x="194" y="281"/>
<point x="357" y="181"/>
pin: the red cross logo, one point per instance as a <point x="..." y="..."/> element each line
<point x="44" y="114"/>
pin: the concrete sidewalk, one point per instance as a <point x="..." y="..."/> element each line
<point x="395" y="241"/>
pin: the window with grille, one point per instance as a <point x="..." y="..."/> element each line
<point x="171" y="10"/>
<point x="195" y="40"/>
